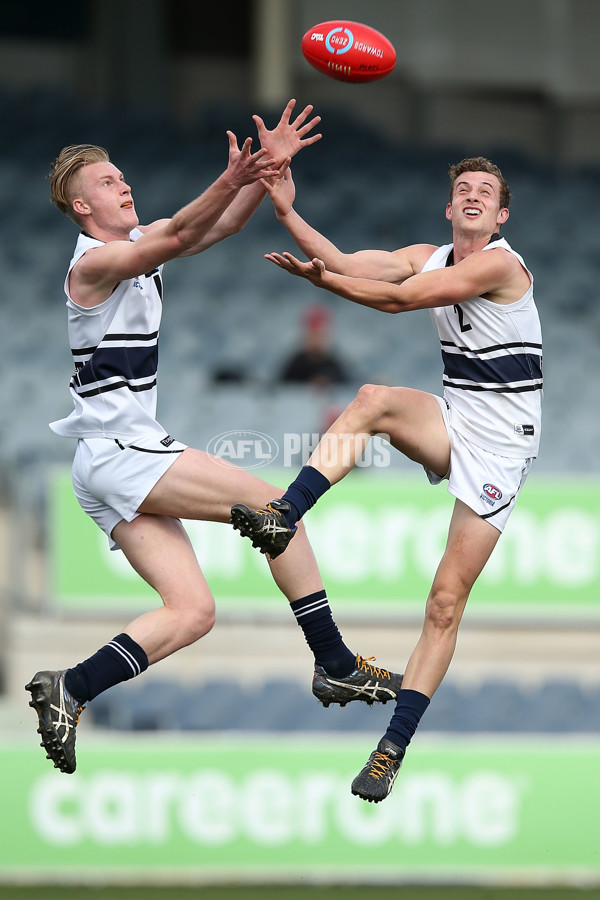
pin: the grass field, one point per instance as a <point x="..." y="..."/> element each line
<point x="274" y="892"/>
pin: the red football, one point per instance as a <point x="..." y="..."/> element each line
<point x="349" y="51"/>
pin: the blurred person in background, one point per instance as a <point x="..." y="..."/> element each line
<point x="314" y="361"/>
<point x="129" y="474"/>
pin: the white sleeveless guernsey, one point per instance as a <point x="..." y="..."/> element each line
<point x="492" y="356"/>
<point x="115" y="349"/>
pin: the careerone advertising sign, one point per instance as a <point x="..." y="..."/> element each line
<point x="198" y="807"/>
<point x="378" y="539"/>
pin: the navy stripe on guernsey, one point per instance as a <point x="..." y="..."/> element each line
<point x="111" y="366"/>
<point x="508" y="372"/>
<point x="499" y="371"/>
<point x="127" y="656"/>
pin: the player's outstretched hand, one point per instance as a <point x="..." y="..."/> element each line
<point x="287" y="138"/>
<point x="245" y="167"/>
<point x="313" y="270"/>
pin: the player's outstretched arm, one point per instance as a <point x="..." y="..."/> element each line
<point x="495" y="274"/>
<point x="378" y="264"/>
<point x="379" y="295"/>
<point x="237" y="214"/>
<point x="240" y="176"/>
<point x="282" y="192"/>
<point x="93" y="278"/>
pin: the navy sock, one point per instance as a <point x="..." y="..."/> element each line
<point x="304" y="492"/>
<point x="410" y="706"/>
<point x="117" y="661"/>
<point x="322" y="636"/>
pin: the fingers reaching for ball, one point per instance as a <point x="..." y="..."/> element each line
<point x="313" y="270"/>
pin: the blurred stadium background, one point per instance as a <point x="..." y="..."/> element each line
<point x="501" y="785"/>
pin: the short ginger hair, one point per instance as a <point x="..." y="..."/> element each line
<point x="65" y="167"/>
<point x="480" y="164"/>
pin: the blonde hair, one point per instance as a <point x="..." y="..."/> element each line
<point x="65" y="167"/>
<point x="480" y="164"/>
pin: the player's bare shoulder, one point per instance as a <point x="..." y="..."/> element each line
<point x="98" y="271"/>
<point x="88" y="283"/>
<point x="512" y="280"/>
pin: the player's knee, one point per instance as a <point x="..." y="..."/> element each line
<point x="444" y="609"/>
<point x="372" y="401"/>
<point x="196" y="623"/>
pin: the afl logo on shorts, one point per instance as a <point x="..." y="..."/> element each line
<point x="491" y="491"/>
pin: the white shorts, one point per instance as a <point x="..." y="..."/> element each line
<point x="486" y="482"/>
<point x="111" y="478"/>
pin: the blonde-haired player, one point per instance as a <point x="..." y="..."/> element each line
<point x="129" y="474"/>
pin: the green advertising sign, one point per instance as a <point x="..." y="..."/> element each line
<point x="377" y="538"/>
<point x="202" y="808"/>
